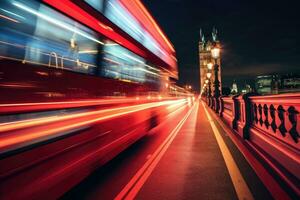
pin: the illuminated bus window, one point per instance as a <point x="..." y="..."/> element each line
<point x="69" y="44"/>
<point x="120" y="63"/>
<point x="16" y="30"/>
<point x="122" y="18"/>
<point x="97" y="4"/>
<point x="43" y="36"/>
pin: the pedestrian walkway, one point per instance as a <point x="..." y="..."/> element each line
<point x="201" y="163"/>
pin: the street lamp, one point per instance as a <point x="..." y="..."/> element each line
<point x="208" y="75"/>
<point x="209" y="66"/>
<point x="205" y="89"/>
<point x="215" y="53"/>
<point x="207" y="81"/>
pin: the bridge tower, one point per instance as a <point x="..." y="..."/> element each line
<point x="205" y="46"/>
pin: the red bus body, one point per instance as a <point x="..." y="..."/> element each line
<point x="68" y="74"/>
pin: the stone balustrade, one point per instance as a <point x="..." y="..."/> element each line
<point x="270" y="126"/>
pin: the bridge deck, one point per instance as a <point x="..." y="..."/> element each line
<point x="196" y="160"/>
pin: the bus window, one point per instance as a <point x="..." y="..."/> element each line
<point x="38" y="34"/>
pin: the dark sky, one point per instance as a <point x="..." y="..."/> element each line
<point x="258" y="37"/>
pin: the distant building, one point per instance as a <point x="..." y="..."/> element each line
<point x="289" y="83"/>
<point x="267" y="84"/>
<point x="205" y="57"/>
<point x="234" y="89"/>
<point x="277" y="84"/>
<point x="248" y="88"/>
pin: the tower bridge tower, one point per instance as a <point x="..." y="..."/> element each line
<point x="205" y="46"/>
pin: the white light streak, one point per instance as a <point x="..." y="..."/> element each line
<point x="140" y="61"/>
<point x="125" y="18"/>
<point x="57" y="23"/>
<point x="9" y="12"/>
<point x="9" y="18"/>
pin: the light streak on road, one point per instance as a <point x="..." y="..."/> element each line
<point x="46" y="127"/>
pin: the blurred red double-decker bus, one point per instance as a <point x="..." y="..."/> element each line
<point x="80" y="80"/>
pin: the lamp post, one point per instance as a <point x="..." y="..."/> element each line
<point x="208" y="75"/>
<point x="207" y="81"/>
<point x="206" y="89"/>
<point x="215" y="53"/>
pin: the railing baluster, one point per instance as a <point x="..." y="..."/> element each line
<point x="260" y="114"/>
<point x="292" y="115"/>
<point x="266" y="114"/>
<point x="273" y="117"/>
<point x="281" y="126"/>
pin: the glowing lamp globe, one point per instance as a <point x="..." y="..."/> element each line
<point x="208" y="75"/>
<point x="215" y="52"/>
<point x="209" y="66"/>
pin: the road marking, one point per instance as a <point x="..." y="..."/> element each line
<point x="241" y="188"/>
<point x="137" y="181"/>
<point x="263" y="174"/>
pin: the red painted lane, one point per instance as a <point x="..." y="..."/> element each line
<point x="112" y="178"/>
<point x="138" y="180"/>
<point x="194" y="167"/>
<point x="191" y="166"/>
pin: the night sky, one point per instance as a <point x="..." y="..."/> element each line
<point x="257" y="37"/>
